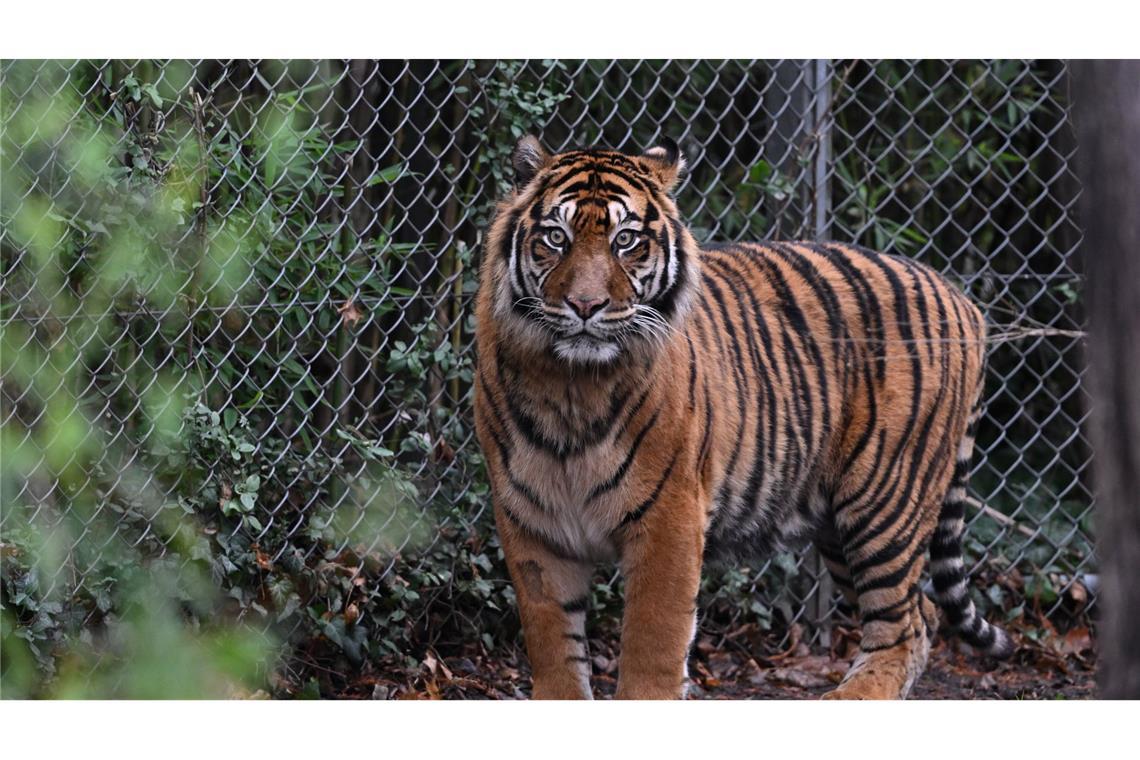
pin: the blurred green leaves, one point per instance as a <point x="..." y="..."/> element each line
<point x="98" y="601"/>
<point x="157" y="540"/>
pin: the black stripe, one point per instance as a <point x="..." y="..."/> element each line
<point x="590" y="434"/>
<point x="704" y="449"/>
<point x="576" y="605"/>
<point x="944" y="453"/>
<point x="551" y="546"/>
<point x="632" y="412"/>
<point x="692" y="374"/>
<point x="724" y="495"/>
<point x="791" y="308"/>
<point x="764" y="450"/>
<point x="824" y="293"/>
<point x="891" y="580"/>
<point x="643" y="507"/>
<point x="903" y="325"/>
<point x="903" y="637"/>
<point x="666" y="301"/>
<point x="613" y="481"/>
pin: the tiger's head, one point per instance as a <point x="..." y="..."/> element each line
<point x="587" y="258"/>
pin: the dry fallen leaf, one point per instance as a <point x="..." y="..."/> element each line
<point x="1076" y="641"/>
<point x="443" y="452"/>
<point x="795" y="634"/>
<point x="262" y="558"/>
<point x="705" y="645"/>
<point x="796" y="677"/>
<point x="436" y="667"/>
<point x="349" y="314"/>
<point x="721" y="664"/>
<point x="351" y="614"/>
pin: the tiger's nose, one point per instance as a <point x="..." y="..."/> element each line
<point x="586" y="307"/>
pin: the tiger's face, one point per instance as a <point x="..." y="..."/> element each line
<point x="592" y="262"/>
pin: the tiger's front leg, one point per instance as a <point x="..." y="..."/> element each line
<point x="552" y="594"/>
<point x="661" y="561"/>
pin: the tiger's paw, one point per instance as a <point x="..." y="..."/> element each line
<point x="865" y="688"/>
<point x="879" y="675"/>
<point x="649" y="693"/>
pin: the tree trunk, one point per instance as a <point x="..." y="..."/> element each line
<point x="1107" y="116"/>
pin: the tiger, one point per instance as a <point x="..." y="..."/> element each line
<point x="644" y="400"/>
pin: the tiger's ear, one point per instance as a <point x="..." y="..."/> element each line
<point x="528" y="159"/>
<point x="665" y="163"/>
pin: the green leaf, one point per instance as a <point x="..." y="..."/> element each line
<point x="312" y="690"/>
<point x="155" y="98"/>
<point x="387" y="175"/>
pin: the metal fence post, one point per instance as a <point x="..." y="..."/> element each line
<point x="821" y="181"/>
<point x="821" y="210"/>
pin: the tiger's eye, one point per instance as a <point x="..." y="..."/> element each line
<point x="624" y="238"/>
<point x="556" y="238"/>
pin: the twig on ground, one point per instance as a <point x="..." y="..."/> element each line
<point x="1004" y="519"/>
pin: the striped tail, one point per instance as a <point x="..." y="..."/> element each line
<point x="947" y="569"/>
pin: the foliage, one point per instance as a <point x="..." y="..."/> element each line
<point x="196" y="227"/>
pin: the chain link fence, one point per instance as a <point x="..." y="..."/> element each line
<point x="237" y="326"/>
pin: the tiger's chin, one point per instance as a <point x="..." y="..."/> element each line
<point x="585" y="349"/>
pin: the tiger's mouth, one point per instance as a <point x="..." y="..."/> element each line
<point x="585" y="348"/>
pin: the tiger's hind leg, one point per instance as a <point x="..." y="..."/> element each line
<point x="882" y="560"/>
<point x="888" y="665"/>
<point x="827" y="543"/>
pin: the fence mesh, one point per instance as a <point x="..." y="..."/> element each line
<point x="252" y="283"/>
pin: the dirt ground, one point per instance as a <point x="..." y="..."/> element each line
<point x="1055" y="658"/>
<point x="1057" y="667"/>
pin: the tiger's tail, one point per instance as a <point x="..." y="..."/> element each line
<point x="947" y="569"/>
